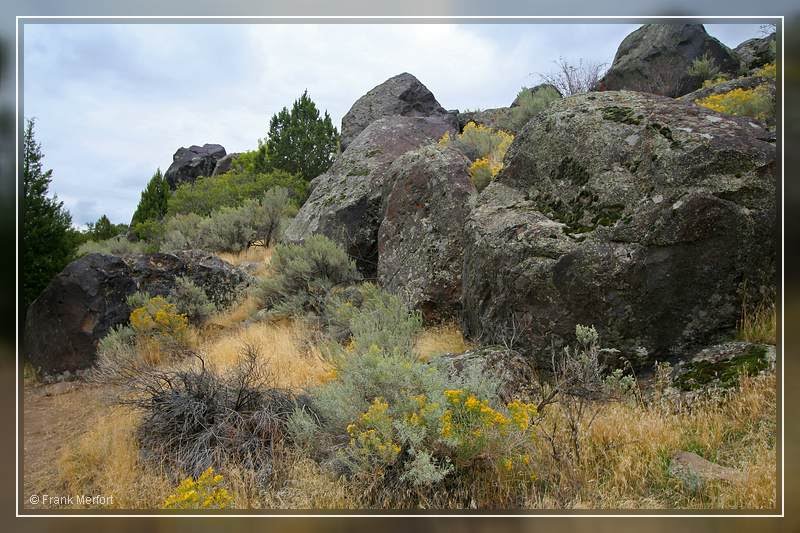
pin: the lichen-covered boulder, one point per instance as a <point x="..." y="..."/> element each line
<point x="77" y="309"/>
<point x="499" y="118"/>
<point x="722" y="365"/>
<point x="635" y="213"/>
<point x="656" y="57"/>
<point x="86" y="299"/>
<point x="420" y="247"/>
<point x="346" y="202"/>
<point x="402" y="95"/>
<point x="509" y="371"/>
<point x="188" y="164"/>
<point x="156" y="273"/>
<point x="755" y="53"/>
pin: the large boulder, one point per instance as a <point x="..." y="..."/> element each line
<point x="755" y="53"/>
<point x="401" y="95"/>
<point x="346" y="202"/>
<point x="509" y="371"/>
<point x="83" y="302"/>
<point x="655" y="59"/>
<point x="636" y="213"/>
<point x="188" y="164"/>
<point x="77" y="309"/>
<point x="420" y="247"/>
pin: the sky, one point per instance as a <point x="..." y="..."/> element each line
<point x="113" y="102"/>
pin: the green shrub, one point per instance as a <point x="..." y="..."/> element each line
<point x="191" y="300"/>
<point x="184" y="232"/>
<point x="159" y="320"/>
<point x="208" y="194"/>
<point x="485" y="146"/>
<point x="268" y="214"/>
<point x="304" y="274"/>
<point x="138" y="299"/>
<point x="411" y="428"/>
<point x="704" y="67"/>
<point x="115" y="352"/>
<point x="228" y="230"/>
<point x="150" y="230"/>
<point x="531" y="103"/>
<point x="119" y="245"/>
<point x="755" y="103"/>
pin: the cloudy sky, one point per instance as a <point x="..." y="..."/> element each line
<point x="114" y="102"/>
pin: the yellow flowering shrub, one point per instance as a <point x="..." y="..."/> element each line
<point x="159" y="317"/>
<point x="488" y="144"/>
<point x="769" y="70"/>
<point x="754" y="103"/>
<point x="205" y="492"/>
<point x="715" y="81"/>
<point x="371" y="435"/>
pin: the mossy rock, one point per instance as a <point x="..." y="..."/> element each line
<point x="723" y="365"/>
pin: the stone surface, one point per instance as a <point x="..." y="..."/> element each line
<point x="694" y="471"/>
<point x="420" y="248"/>
<point x="78" y="308"/>
<point x="755" y="53"/>
<point x="512" y="372"/>
<point x="188" y="164"/>
<point x="498" y="118"/>
<point x="346" y="202"/>
<point x="722" y="365"/>
<point x="747" y="82"/>
<point x="631" y="212"/>
<point x="655" y="58"/>
<point x="85" y="300"/>
<point x="224" y="164"/>
<point x="401" y="95"/>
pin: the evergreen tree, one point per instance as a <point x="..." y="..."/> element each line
<point x="46" y="243"/>
<point x="153" y="203"/>
<point x="301" y="142"/>
<point x="103" y="229"/>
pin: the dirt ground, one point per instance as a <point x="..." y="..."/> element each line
<point x="52" y="416"/>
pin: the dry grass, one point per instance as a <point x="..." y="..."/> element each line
<point x="295" y="363"/>
<point x="440" y="339"/>
<point x="758" y="324"/>
<point x="254" y="254"/>
<point x="626" y="452"/>
<point x="235" y="315"/>
<point x="105" y="460"/>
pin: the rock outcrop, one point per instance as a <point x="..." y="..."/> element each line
<point x="420" y="247"/>
<point x="655" y="59"/>
<point x="224" y="164"/>
<point x="188" y="164"/>
<point x="755" y="53"/>
<point x="635" y="213"/>
<point x="508" y="370"/>
<point x="721" y="365"/>
<point x="694" y="471"/>
<point x="499" y="118"/>
<point x="402" y="95"/>
<point x="346" y="202"/>
<point x="83" y="302"/>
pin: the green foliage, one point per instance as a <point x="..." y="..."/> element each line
<point x="160" y="318"/>
<point x="153" y="202"/>
<point x="191" y="300"/>
<point x="485" y="146"/>
<point x="118" y="245"/>
<point x="207" y="194"/>
<point x="205" y="492"/>
<point x="301" y="142"/>
<point x="531" y="103"/>
<point x="304" y="274"/>
<point x="755" y="103"/>
<point x="704" y="67"/>
<point x="268" y="214"/>
<point x="103" y="229"/>
<point x="138" y="299"/>
<point x="230" y="229"/>
<point x="252" y="162"/>
<point x="46" y="242"/>
<point x="151" y="230"/>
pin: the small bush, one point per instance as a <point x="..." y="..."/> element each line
<point x="205" y="492"/>
<point x="118" y="245"/>
<point x="191" y="300"/>
<point x="138" y="299"/>
<point x="704" y="67"/>
<point x="115" y="352"/>
<point x="268" y="215"/>
<point x="769" y="70"/>
<point x="571" y="78"/>
<point x="486" y="146"/>
<point x="195" y="419"/>
<point x="159" y="317"/>
<point x="229" y="230"/>
<point x="715" y="81"/>
<point x="755" y="103"/>
<point x="304" y="274"/>
<point x="532" y="103"/>
<point x="184" y="232"/>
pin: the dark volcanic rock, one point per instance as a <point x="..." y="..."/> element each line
<point x="224" y="164"/>
<point x="655" y="58"/>
<point x="631" y="212"/>
<point x="156" y="273"/>
<point x="507" y="369"/>
<point x="77" y="309"/>
<point x="346" y="203"/>
<point x="85" y="300"/>
<point x="755" y="53"/>
<point x="420" y="248"/>
<point x="401" y="95"/>
<point x="188" y="164"/>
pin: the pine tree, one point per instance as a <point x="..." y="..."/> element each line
<point x="153" y="202"/>
<point x="301" y="142"/>
<point x="46" y="244"/>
